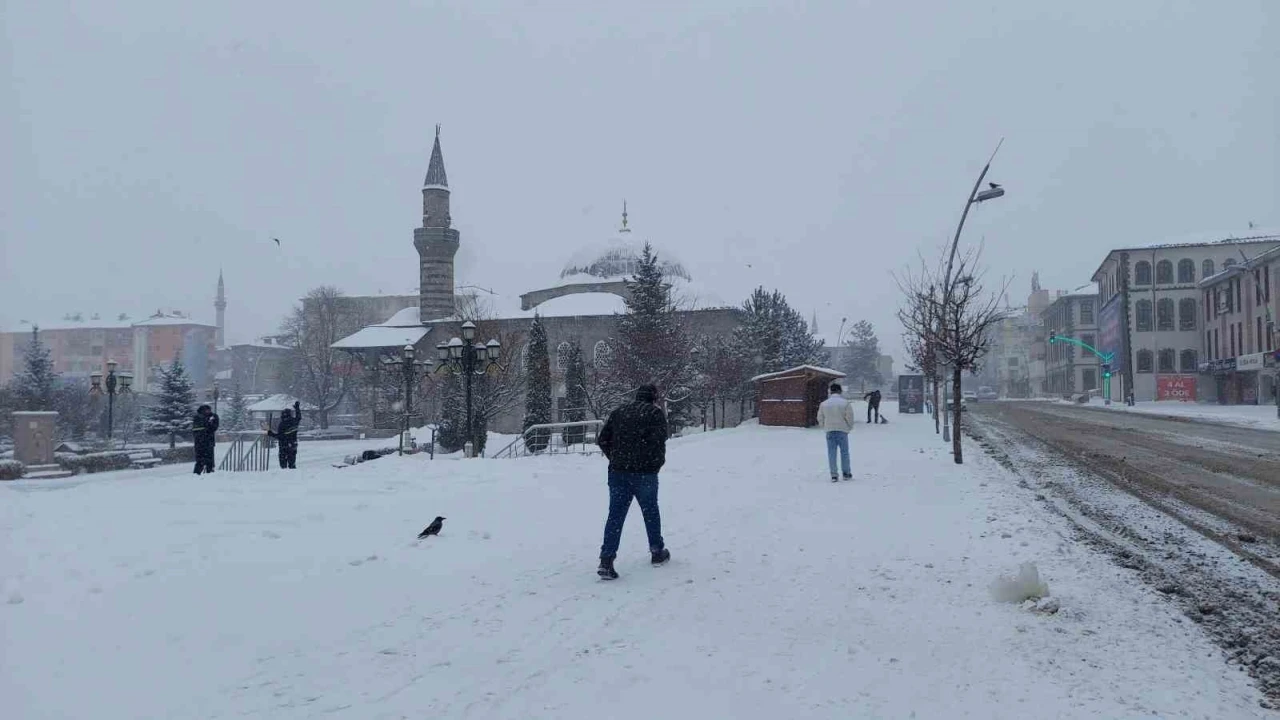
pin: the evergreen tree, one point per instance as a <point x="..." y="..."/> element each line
<point x="172" y="414"/>
<point x="651" y="346"/>
<point x="862" y="364"/>
<point x="452" y="433"/>
<point x="575" y="394"/>
<point x="773" y="336"/>
<point x="537" y="398"/>
<point x="33" y="389"/>
<point x="237" y="410"/>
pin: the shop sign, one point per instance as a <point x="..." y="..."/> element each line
<point x="1176" y="387"/>
<point x="1246" y="363"/>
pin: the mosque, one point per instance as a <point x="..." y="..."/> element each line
<point x="581" y="304"/>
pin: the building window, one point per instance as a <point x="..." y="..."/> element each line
<point x="1089" y="379"/>
<point x="1239" y="302"/>
<point x="1186" y="271"/>
<point x="1013" y="362"/>
<point x="1164" y="273"/>
<point x="1257" y="339"/>
<point x="1144" y="315"/>
<point x="1086" y="312"/>
<point x="1207" y="269"/>
<point x="602" y="355"/>
<point x="1188" y="361"/>
<point x="524" y="357"/>
<point x="1217" y="345"/>
<point x="1208" y="302"/>
<point x="1187" y="314"/>
<point x="1240" y="335"/>
<point x="562" y="356"/>
<point x="1167" y="357"/>
<point x="1142" y="273"/>
<point x="1231" y="331"/>
<point x="1144" y="361"/>
<point x="1164" y="315"/>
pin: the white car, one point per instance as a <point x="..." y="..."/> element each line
<point x="969" y="396"/>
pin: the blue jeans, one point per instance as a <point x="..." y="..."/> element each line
<point x="622" y="488"/>
<point x="837" y="439"/>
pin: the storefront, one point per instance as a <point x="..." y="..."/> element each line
<point x="1248" y="375"/>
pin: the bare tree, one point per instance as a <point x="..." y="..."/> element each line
<point x="322" y="375"/>
<point x="955" y="322"/>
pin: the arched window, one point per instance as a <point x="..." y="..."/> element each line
<point x="1164" y="315"/>
<point x="1142" y="273"/>
<point x="1144" y="361"/>
<point x="1228" y="263"/>
<point x="602" y="355"/>
<point x="1186" y="271"/>
<point x="1164" y="273"/>
<point x="1207" y="270"/>
<point x="1187" y="314"/>
<point x="1167" y="358"/>
<point x="562" y="356"/>
<point x="1143" y="311"/>
<point x="1189" y="364"/>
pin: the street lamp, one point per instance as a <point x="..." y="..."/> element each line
<point x="411" y="369"/>
<point x="464" y="356"/>
<point x="124" y="381"/>
<point x="214" y="394"/>
<point x="975" y="197"/>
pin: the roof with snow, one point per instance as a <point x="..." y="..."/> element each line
<point x="799" y="369"/>
<point x="276" y="403"/>
<point x="403" y="328"/>
<point x="618" y="258"/>
<point x="1253" y="237"/>
<point x="163" y="319"/>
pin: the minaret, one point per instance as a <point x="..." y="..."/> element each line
<point x="436" y="241"/>
<point x="220" y="305"/>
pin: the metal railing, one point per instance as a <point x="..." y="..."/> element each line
<point x="552" y="439"/>
<point x="249" y="452"/>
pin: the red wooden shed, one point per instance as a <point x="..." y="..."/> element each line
<point x="791" y="397"/>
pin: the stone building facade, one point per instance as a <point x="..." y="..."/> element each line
<point x="1151" y="311"/>
<point x="1070" y="369"/>
<point x="1240" y="340"/>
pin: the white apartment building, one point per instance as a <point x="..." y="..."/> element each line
<point x="1071" y="369"/>
<point x="1151" y="312"/>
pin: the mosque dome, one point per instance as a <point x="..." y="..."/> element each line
<point x="618" y="258"/>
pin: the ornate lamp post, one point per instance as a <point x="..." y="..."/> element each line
<point x="411" y="369"/>
<point x="123" y="381"/>
<point x="468" y="358"/>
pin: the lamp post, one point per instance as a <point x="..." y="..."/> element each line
<point x="975" y="197"/>
<point x="123" y="381"/>
<point x="468" y="358"/>
<point x="411" y="369"/>
<point x="214" y="394"/>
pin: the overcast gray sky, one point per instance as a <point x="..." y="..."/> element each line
<point x="811" y="147"/>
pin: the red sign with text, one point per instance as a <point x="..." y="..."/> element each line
<point x="1176" y="387"/>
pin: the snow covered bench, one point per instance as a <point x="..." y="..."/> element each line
<point x="143" y="459"/>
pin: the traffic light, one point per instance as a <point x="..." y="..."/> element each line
<point x="1053" y="338"/>
<point x="1106" y="370"/>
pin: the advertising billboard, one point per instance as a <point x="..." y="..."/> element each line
<point x="910" y="394"/>
<point x="1111" y="334"/>
<point x="1176" y="387"/>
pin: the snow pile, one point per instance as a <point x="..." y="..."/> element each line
<point x="1026" y="585"/>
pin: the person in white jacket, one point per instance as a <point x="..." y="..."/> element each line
<point x="835" y="416"/>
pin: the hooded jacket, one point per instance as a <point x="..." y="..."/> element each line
<point x="634" y="438"/>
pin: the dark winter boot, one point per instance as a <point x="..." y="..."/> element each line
<point x="848" y="477"/>
<point x="606" y="570"/>
<point x="659" y="557"/>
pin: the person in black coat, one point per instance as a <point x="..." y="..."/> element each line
<point x="204" y="430"/>
<point x="287" y="433"/>
<point x="634" y="439"/>
<point x="873" y="404"/>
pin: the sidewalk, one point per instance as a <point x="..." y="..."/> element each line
<point x="1257" y="417"/>
<point x="305" y="593"/>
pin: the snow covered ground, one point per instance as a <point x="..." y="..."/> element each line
<point x="290" y="595"/>
<point x="1260" y="417"/>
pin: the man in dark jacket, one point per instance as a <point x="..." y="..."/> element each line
<point x="204" y="429"/>
<point x="873" y="404"/>
<point x="287" y="433"/>
<point x="634" y="439"/>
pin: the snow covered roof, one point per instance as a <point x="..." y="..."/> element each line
<point x="74" y="323"/>
<point x="399" y="330"/>
<point x="276" y="403"/>
<point x="164" y="319"/>
<point x="797" y="369"/>
<point x="618" y="258"/>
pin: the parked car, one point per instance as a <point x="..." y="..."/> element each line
<point x="969" y="396"/>
<point x="987" y="393"/>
